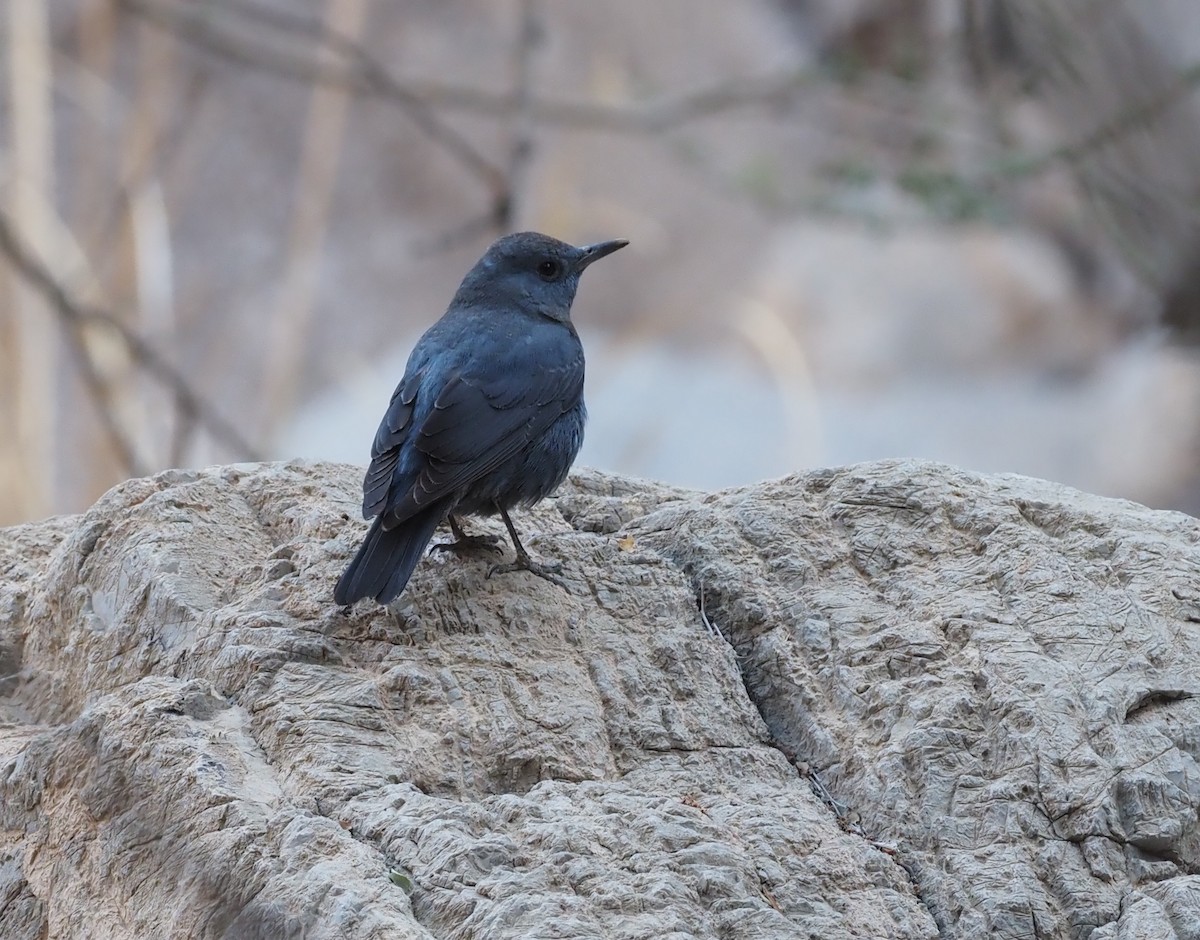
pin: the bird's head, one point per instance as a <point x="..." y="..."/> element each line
<point x="532" y="271"/>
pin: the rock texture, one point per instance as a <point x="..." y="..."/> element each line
<point x="895" y="700"/>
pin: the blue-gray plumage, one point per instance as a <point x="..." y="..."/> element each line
<point x="489" y="414"/>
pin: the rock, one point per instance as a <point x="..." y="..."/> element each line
<point x="961" y="301"/>
<point x="893" y="700"/>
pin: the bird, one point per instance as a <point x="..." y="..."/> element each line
<point x="489" y="415"/>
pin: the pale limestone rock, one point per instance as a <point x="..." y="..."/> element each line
<point x="938" y="702"/>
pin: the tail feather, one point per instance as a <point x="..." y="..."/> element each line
<point x="386" y="559"/>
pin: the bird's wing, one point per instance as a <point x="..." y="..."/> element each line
<point x="393" y="430"/>
<point x="480" y="421"/>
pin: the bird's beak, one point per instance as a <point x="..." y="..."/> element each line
<point x="590" y="253"/>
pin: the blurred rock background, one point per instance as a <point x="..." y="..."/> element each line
<point x="957" y="229"/>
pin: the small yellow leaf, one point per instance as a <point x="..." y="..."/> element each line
<point x="626" y="543"/>
<point x="401" y="880"/>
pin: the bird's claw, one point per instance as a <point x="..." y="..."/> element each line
<point x="543" y="569"/>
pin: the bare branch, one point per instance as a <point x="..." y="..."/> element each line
<point x="355" y="69"/>
<point x="101" y="392"/>
<point x="465" y="233"/>
<point x="192" y="406"/>
<point x="1125" y="123"/>
<point x="351" y="66"/>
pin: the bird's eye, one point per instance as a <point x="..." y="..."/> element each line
<point x="549" y="270"/>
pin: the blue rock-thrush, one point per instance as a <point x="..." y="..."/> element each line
<point x="489" y="414"/>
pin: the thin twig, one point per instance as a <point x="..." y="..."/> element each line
<point x="360" y="72"/>
<point x="1125" y="123"/>
<point x="651" y="117"/>
<point x="839" y="809"/>
<point x="465" y="233"/>
<point x="192" y="406"/>
<point x="353" y="68"/>
<point x="356" y="69"/>
<point x="157" y="160"/>
<point x="104" y="398"/>
<point x="712" y="628"/>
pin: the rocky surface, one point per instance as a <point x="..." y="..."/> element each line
<point x="894" y="700"/>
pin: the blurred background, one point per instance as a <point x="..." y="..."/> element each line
<point x="957" y="229"/>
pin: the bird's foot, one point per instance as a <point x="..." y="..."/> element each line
<point x="543" y="569"/>
<point x="472" y="544"/>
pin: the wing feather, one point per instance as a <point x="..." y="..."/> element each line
<point x="485" y="412"/>
<point x="475" y="427"/>
<point x="385" y="451"/>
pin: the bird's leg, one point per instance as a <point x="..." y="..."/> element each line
<point x="464" y="543"/>
<point x="545" y="570"/>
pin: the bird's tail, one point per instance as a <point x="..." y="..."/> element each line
<point x="387" y="558"/>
